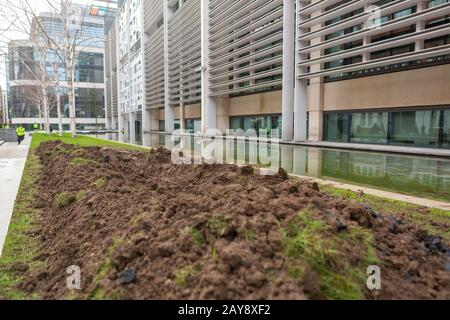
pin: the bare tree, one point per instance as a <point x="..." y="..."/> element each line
<point x="66" y="45"/>
<point x="72" y="19"/>
<point x="33" y="96"/>
<point x="19" y="18"/>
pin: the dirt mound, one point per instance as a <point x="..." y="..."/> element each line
<point x="140" y="227"/>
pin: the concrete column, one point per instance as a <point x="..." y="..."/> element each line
<point x="288" y="69"/>
<point x="366" y="39"/>
<point x="168" y="109"/>
<point x="122" y="129"/>
<point x="182" y="117"/>
<point x="146" y="127"/>
<point x="420" y="26"/>
<point x="132" y="127"/>
<point x="315" y="92"/>
<point x="209" y="107"/>
<point x="146" y="116"/>
<point x="301" y="86"/>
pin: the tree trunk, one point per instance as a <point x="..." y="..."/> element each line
<point x="71" y="95"/>
<point x="46" y="109"/>
<point x="44" y="87"/>
<point x="40" y="118"/>
<point x="58" y="106"/>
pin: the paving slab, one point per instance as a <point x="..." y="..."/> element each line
<point x="12" y="163"/>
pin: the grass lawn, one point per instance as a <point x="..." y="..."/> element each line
<point x="21" y="249"/>
<point x="428" y="218"/>
<point x="82" y="141"/>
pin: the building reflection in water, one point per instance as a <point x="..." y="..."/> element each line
<point x="412" y="175"/>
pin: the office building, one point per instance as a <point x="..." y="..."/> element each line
<point x="369" y="71"/>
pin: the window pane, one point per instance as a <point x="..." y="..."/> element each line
<point x="248" y="123"/>
<point x="369" y="127"/>
<point x="416" y="128"/>
<point x="336" y="127"/>
<point x="236" y="123"/>
<point x="446" y="130"/>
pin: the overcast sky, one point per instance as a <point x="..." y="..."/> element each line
<point x="5" y="37"/>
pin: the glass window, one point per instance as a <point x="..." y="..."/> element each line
<point x="235" y="123"/>
<point x="248" y="123"/>
<point x="194" y="125"/>
<point x="446" y="130"/>
<point x="89" y="103"/>
<point x="337" y="127"/>
<point x="162" y="126"/>
<point x="416" y="128"/>
<point x="369" y="127"/>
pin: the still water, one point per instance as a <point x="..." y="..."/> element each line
<point x="412" y="175"/>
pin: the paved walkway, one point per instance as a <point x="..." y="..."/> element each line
<point x="12" y="163"/>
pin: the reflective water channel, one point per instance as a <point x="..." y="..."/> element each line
<point x="425" y="177"/>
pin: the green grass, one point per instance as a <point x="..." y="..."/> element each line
<point x="82" y="141"/>
<point x="80" y="162"/>
<point x="311" y="242"/>
<point x="103" y="271"/>
<point x="217" y="225"/>
<point x="182" y="276"/>
<point x="65" y="199"/>
<point x="19" y="247"/>
<point x="196" y="235"/>
<point x="100" y="183"/>
<point x="425" y="217"/>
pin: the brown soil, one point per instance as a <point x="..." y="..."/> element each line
<point x="142" y="228"/>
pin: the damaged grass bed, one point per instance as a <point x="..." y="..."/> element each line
<point x="140" y="227"/>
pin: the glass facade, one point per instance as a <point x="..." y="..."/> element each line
<point x="89" y="103"/>
<point x="369" y="127"/>
<point x="266" y="122"/>
<point x="336" y="127"/>
<point x="89" y="68"/>
<point x="446" y="130"/>
<point x="194" y="125"/>
<point x="25" y="59"/>
<point x="428" y="128"/>
<point x="416" y="128"/>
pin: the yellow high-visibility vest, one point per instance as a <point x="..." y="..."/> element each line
<point x="20" y="131"/>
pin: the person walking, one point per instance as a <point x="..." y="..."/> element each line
<point x="20" y="134"/>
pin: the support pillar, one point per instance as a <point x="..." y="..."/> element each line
<point x="146" y="127"/>
<point x="316" y="89"/>
<point x="132" y="127"/>
<point x="182" y="117"/>
<point x="288" y="69"/>
<point x="209" y="107"/>
<point x="420" y="26"/>
<point x="122" y="129"/>
<point x="168" y="109"/>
